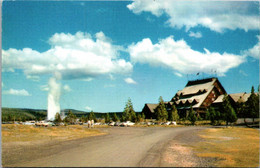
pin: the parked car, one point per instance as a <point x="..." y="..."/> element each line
<point x="173" y="123"/>
<point x="111" y="123"/>
<point x="42" y="123"/>
<point x="127" y="124"/>
<point x="28" y="123"/>
<point x="117" y="124"/>
<point x="167" y="123"/>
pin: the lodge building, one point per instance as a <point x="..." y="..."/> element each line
<point x="198" y="94"/>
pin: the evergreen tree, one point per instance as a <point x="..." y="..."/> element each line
<point x="213" y="116"/>
<point x="57" y="119"/>
<point x="71" y="118"/>
<point x="139" y="118"/>
<point x="92" y="116"/>
<point x="115" y="118"/>
<point x="229" y="114"/>
<point x="160" y="111"/>
<point x="173" y="114"/>
<point x="143" y="116"/>
<point x="253" y="104"/>
<point x="192" y="116"/>
<point x="107" y="118"/>
<point x="129" y="113"/>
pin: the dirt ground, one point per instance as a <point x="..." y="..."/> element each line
<point x="124" y="147"/>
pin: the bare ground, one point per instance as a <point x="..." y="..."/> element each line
<point x="143" y="147"/>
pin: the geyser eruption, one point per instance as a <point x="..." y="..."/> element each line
<point x="53" y="98"/>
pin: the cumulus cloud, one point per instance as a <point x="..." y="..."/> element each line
<point x="67" y="88"/>
<point x="217" y="16"/>
<point x="195" y="35"/>
<point x="130" y="81"/>
<point x="15" y="92"/>
<point x="78" y="56"/>
<point x="254" y="51"/>
<point x="88" y="108"/>
<point x="178" y="56"/>
<point x="178" y="74"/>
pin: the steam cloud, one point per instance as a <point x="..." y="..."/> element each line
<point x="53" y="98"/>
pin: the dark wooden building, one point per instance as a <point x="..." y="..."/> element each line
<point x="198" y="94"/>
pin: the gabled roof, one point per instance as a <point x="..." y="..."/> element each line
<point x="195" y="92"/>
<point x="240" y="96"/>
<point x="219" y="99"/>
<point x="151" y="107"/>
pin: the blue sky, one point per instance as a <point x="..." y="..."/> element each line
<point x="101" y="53"/>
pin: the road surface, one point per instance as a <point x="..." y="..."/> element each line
<point x="122" y="146"/>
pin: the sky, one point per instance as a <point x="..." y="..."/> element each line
<point x="99" y="54"/>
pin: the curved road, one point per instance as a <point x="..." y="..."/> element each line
<point x="131" y="146"/>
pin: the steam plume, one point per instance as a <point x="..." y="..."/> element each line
<point x="53" y="98"/>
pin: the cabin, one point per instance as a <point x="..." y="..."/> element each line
<point x="149" y="109"/>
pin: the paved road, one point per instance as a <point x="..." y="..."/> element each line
<point x="131" y="146"/>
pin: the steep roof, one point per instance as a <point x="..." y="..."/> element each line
<point x="240" y="96"/>
<point x="195" y="92"/>
<point x="219" y="99"/>
<point x="151" y="107"/>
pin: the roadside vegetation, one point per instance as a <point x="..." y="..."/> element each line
<point x="231" y="147"/>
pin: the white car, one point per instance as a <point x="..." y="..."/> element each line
<point x="112" y="124"/>
<point x="127" y="124"/>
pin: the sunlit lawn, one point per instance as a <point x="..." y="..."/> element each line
<point x="27" y="133"/>
<point x="233" y="147"/>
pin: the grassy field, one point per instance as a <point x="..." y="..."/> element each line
<point x="232" y="147"/>
<point x="26" y="133"/>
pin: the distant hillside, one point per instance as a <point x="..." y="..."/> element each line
<point x="22" y="114"/>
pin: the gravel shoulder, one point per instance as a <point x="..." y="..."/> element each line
<point x="120" y="147"/>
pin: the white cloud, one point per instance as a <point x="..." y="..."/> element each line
<point x="254" y="51"/>
<point x="78" y="56"/>
<point x="130" y="81"/>
<point x="196" y="34"/>
<point x="88" y="79"/>
<point x="67" y="88"/>
<point x="16" y="92"/>
<point x="243" y="73"/>
<point x="178" y="74"/>
<point x="217" y="16"/>
<point x="178" y="56"/>
<point x="44" y="88"/>
<point x="33" y="78"/>
<point x="88" y="108"/>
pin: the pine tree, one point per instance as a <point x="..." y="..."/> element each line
<point x="173" y="114"/>
<point x="107" y="118"/>
<point x="192" y="116"/>
<point x="92" y="116"/>
<point x="71" y="118"/>
<point x="129" y="113"/>
<point x="143" y="117"/>
<point x="213" y="116"/>
<point x="229" y="114"/>
<point x="253" y="104"/>
<point x="160" y="111"/>
<point x="115" y="118"/>
<point x="57" y="119"/>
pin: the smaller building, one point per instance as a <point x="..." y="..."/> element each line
<point x="148" y="110"/>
